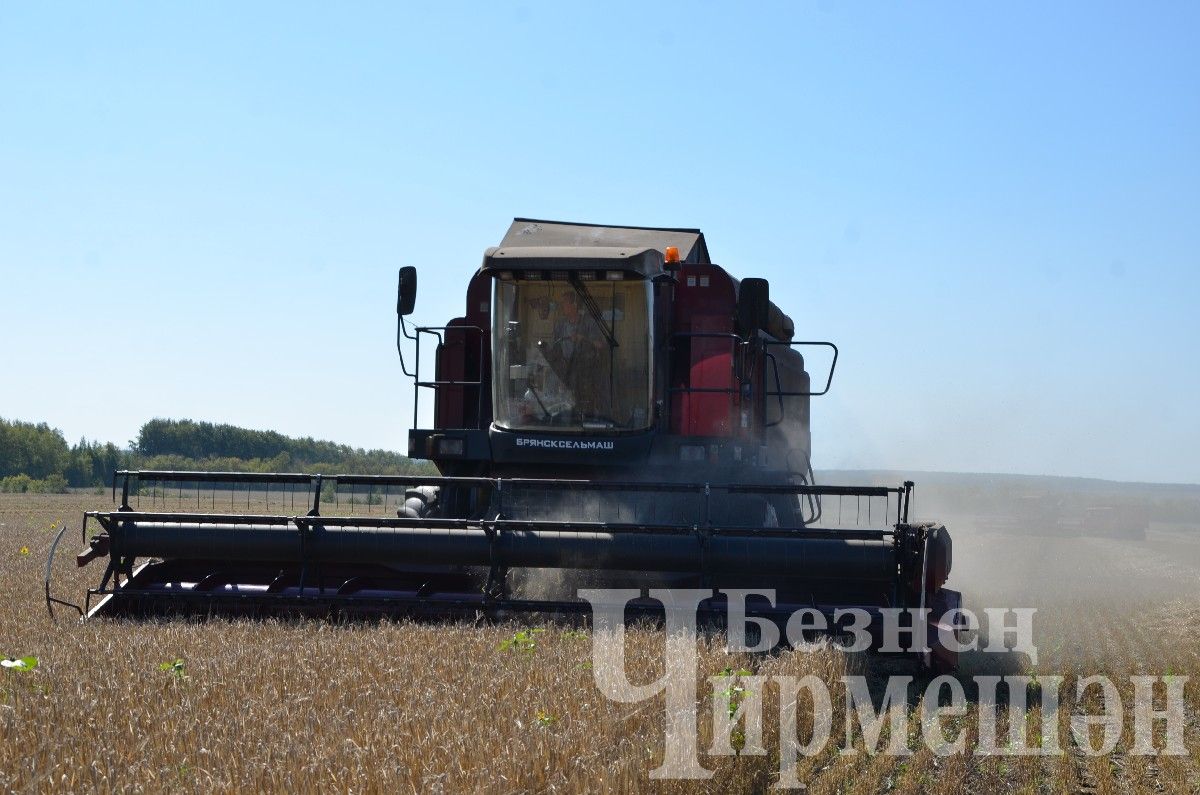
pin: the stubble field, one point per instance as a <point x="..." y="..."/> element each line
<point x="401" y="707"/>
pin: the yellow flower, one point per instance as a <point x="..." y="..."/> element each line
<point x="24" y="551"/>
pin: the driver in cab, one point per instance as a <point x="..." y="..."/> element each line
<point x="575" y="353"/>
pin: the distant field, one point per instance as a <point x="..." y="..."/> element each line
<point x="397" y="707"/>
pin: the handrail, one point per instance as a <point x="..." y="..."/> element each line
<point x="435" y="385"/>
<point x="176" y="476"/>
<point x="828" y="381"/>
<point x="315" y="483"/>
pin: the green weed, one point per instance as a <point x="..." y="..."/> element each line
<point x="524" y="641"/>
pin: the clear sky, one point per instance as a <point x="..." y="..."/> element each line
<point x="992" y="210"/>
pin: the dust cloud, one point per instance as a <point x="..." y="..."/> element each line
<point x="1112" y="568"/>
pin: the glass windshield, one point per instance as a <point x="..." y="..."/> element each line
<point x="572" y="354"/>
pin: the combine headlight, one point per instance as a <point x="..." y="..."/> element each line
<point x="533" y="276"/>
<point x="506" y="276"/>
<point x="614" y="276"/>
<point x="587" y="276"/>
<point x="447" y="447"/>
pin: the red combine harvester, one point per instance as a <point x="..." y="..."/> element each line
<point x="611" y="410"/>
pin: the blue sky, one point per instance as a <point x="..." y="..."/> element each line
<point x="991" y="210"/>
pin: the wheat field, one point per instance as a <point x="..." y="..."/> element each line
<point x="307" y="706"/>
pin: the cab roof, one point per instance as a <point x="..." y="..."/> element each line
<point x="534" y="233"/>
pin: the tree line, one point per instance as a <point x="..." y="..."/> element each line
<point x="37" y="457"/>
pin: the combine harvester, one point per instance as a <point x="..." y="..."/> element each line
<point x="611" y="410"/>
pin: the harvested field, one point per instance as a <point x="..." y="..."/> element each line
<point x="399" y="707"/>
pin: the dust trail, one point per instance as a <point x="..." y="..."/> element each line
<point x="1075" y="549"/>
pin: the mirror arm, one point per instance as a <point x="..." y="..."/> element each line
<point x="402" y="329"/>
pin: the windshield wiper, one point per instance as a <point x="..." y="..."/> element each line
<point x="594" y="311"/>
<point x="545" y="411"/>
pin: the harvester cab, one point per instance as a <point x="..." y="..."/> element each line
<point x="612" y="409"/>
<point x="612" y="350"/>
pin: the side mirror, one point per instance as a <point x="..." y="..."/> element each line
<point x="753" y="306"/>
<point x="406" y="292"/>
